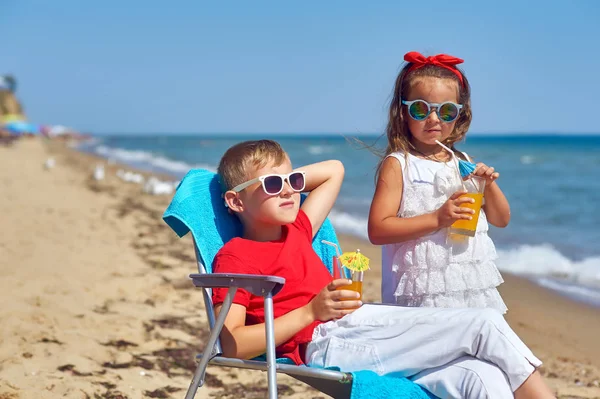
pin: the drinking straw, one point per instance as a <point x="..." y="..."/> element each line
<point x="337" y="251"/>
<point x="455" y="164"/>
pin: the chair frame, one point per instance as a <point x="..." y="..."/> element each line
<point x="334" y="383"/>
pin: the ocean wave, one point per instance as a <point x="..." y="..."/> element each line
<point x="577" y="292"/>
<point x="145" y="159"/>
<point x="349" y="224"/>
<point x="545" y="260"/>
<point x="527" y="159"/>
<point x="320" y="149"/>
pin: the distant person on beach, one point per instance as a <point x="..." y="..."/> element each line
<point x="456" y="353"/>
<point x="418" y="195"/>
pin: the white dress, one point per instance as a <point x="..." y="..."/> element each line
<point x="428" y="271"/>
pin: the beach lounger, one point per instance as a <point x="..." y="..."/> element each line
<point x="198" y="207"/>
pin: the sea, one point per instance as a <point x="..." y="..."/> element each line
<point x="552" y="183"/>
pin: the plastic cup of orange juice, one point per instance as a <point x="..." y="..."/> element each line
<point x="475" y="187"/>
<point x="355" y="285"/>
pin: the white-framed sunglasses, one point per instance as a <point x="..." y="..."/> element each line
<point x="419" y="110"/>
<point x="272" y="184"/>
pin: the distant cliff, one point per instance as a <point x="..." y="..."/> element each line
<point x="10" y="106"/>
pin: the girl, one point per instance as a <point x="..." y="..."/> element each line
<point x="418" y="195"/>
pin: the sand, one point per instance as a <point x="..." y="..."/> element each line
<point x="96" y="302"/>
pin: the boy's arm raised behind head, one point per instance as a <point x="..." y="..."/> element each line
<point x="323" y="181"/>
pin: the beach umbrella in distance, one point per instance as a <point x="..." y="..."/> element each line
<point x="21" y="127"/>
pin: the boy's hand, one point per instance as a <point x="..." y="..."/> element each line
<point x="487" y="172"/>
<point x="452" y="211"/>
<point x="331" y="304"/>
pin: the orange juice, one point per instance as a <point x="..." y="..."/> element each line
<point x="468" y="227"/>
<point x="355" y="286"/>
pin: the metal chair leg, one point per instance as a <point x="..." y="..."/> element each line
<point x="271" y="356"/>
<point x="198" y="379"/>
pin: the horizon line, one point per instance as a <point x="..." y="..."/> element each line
<point x="370" y="134"/>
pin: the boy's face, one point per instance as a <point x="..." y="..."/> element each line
<point x="257" y="208"/>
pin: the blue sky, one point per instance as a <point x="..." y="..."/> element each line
<point x="304" y="66"/>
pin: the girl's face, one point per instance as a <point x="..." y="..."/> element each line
<point x="432" y="90"/>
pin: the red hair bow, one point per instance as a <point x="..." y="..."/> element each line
<point x="442" y="60"/>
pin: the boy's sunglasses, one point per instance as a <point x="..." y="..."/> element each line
<point x="419" y="110"/>
<point x="272" y="184"/>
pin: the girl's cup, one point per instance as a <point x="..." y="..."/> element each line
<point x="475" y="187"/>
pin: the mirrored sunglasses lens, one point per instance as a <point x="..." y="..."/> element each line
<point x="448" y="112"/>
<point x="297" y="181"/>
<point x="273" y="184"/>
<point x="419" y="110"/>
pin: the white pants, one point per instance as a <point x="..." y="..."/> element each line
<point x="458" y="353"/>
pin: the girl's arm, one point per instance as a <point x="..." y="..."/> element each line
<point x="496" y="205"/>
<point x="384" y="225"/>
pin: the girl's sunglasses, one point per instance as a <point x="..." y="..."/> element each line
<point x="273" y="184"/>
<point x="419" y="110"/>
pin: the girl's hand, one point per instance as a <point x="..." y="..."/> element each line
<point x="487" y="172"/>
<point x="331" y="304"/>
<point x="452" y="210"/>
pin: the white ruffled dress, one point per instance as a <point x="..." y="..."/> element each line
<point x="428" y="271"/>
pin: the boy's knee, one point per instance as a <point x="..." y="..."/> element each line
<point x="489" y="382"/>
<point x="465" y="377"/>
<point x="472" y="385"/>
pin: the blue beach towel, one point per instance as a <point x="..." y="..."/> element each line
<point x="198" y="207"/>
<point x="368" y="384"/>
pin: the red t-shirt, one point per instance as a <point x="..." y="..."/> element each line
<point x="291" y="257"/>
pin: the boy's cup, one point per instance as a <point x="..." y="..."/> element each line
<point x="356" y="262"/>
<point x="475" y="187"/>
<point x="337" y="268"/>
<point x="356" y="285"/>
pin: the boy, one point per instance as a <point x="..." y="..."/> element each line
<point x="449" y="352"/>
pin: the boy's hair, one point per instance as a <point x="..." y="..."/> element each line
<point x="398" y="135"/>
<point x="235" y="165"/>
